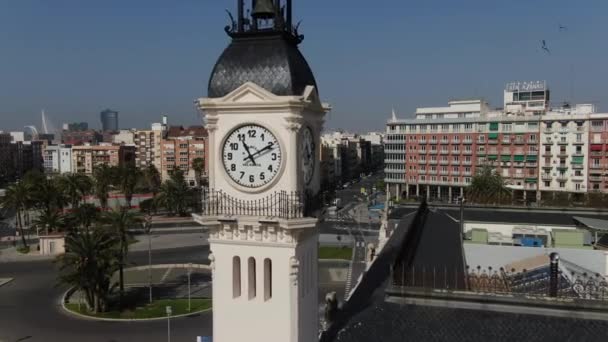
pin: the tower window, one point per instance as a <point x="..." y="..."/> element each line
<point x="236" y="277"/>
<point x="251" y="271"/>
<point x="267" y="279"/>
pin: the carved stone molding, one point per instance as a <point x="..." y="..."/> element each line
<point x="294" y="268"/>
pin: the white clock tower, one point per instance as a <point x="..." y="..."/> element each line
<point x="264" y="119"/>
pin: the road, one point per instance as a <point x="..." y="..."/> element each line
<point x="30" y="306"/>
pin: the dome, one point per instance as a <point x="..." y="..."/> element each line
<point x="272" y="61"/>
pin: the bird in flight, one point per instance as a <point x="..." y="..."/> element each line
<point x="562" y="27"/>
<point x="544" y="47"/>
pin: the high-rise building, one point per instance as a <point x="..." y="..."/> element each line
<point x="109" y="120"/>
<point x="7" y="171"/>
<point x="538" y="150"/>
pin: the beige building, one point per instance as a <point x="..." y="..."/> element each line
<point x="86" y="158"/>
<point x="180" y="148"/>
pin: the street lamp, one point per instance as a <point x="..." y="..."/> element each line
<point x="189" y="273"/>
<point x="462" y="200"/>
<point x="148" y="229"/>
<point x="169" y="311"/>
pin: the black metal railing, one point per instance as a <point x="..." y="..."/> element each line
<point x="280" y="204"/>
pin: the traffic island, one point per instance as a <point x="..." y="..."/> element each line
<point x="155" y="310"/>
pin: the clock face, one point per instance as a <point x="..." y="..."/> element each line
<point x="307" y="152"/>
<point x="251" y="156"/>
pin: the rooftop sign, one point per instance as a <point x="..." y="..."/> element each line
<point x="526" y="86"/>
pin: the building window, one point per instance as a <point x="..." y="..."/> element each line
<point x="267" y="279"/>
<point x="236" y="277"/>
<point x="251" y="277"/>
<point x="578" y="186"/>
<point x="562" y="184"/>
<point x="548" y="184"/>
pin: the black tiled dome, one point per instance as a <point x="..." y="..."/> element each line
<point x="271" y="61"/>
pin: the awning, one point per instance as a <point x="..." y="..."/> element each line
<point x="492" y="157"/>
<point x="531" y="158"/>
<point x="505" y="157"/>
<point x="492" y="135"/>
<point x="531" y="180"/>
<point x="481" y="155"/>
<point x="591" y="223"/>
<point x="596" y="147"/>
<point x="518" y="158"/>
<point x="577" y="160"/>
<point x="493" y="126"/>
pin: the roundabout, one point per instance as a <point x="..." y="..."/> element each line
<point x="31" y="306"/>
<point x="149" y="290"/>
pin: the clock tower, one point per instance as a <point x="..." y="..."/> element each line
<point x="264" y="119"/>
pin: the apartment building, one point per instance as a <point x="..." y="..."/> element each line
<point x="86" y="158"/>
<point x="7" y="171"/>
<point x="180" y="148"/>
<point x="535" y="148"/>
<point x="57" y="159"/>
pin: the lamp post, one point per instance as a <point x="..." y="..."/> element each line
<point x="169" y="311"/>
<point x="462" y="200"/>
<point x="189" y="273"/>
<point x="148" y="229"/>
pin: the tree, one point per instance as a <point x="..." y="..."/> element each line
<point x="45" y="193"/>
<point x="174" y="194"/>
<point x="152" y="179"/>
<point x="103" y="176"/>
<point x="88" y="265"/>
<point x="487" y="186"/>
<point x="17" y="197"/>
<point x="83" y="217"/>
<point x="119" y="222"/>
<point x="198" y="164"/>
<point x="126" y="181"/>
<point x="50" y="221"/>
<point x="74" y="187"/>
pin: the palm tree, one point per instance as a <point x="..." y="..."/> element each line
<point x="119" y="222"/>
<point x="127" y="179"/>
<point x="103" y="176"/>
<point x="198" y="165"/>
<point x="152" y="179"/>
<point x="46" y="194"/>
<point x="75" y="186"/>
<point x="174" y="194"/>
<point x="50" y="221"/>
<point x="88" y="265"/>
<point x="83" y="216"/>
<point x="17" y="197"/>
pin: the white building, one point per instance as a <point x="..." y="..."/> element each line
<point x="58" y="159"/>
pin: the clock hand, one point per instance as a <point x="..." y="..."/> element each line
<point x="268" y="147"/>
<point x="249" y="153"/>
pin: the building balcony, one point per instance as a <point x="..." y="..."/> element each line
<point x="548" y="142"/>
<point x="578" y="143"/>
<point x="421" y="172"/>
<point x="455" y="173"/>
<point x="595" y="179"/>
<point x="467" y="153"/>
<point x="421" y="151"/>
<point x="562" y="178"/>
<point x="480" y="141"/>
<point x="492" y="142"/>
<point x="597" y="153"/>
<point x="548" y="130"/>
<point x="467" y="162"/>
<point x="422" y="161"/>
<point x="578" y="154"/>
<point x="432" y="162"/>
<point x="455" y="152"/>
<point x="595" y="166"/>
<point x="445" y="152"/>
<point x="445" y="141"/>
<point x="467" y="141"/>
<point x="578" y="166"/>
<point x="455" y="141"/>
<point x="465" y="173"/>
<point x="580" y="129"/>
<point x="422" y="141"/>
<point x="431" y="172"/>
<point x="394" y="161"/>
<point x="547" y="167"/>
<point x="562" y="167"/>
<point x="563" y="154"/>
<point x="444" y="173"/>
<point x="531" y="164"/>
<point x="546" y="177"/>
<point x="519" y="142"/>
<point x="432" y="141"/>
<point x="444" y="162"/>
<point x="547" y="154"/>
<point x="562" y="142"/>
<point x="532" y="142"/>
<point x="577" y="178"/>
<point x="517" y="175"/>
<point x="433" y="152"/>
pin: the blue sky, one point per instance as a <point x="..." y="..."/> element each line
<point x="147" y="57"/>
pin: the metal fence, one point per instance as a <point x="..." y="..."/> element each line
<point x="525" y="283"/>
<point x="280" y="204"/>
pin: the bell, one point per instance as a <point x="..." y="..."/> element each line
<point x="264" y="9"/>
